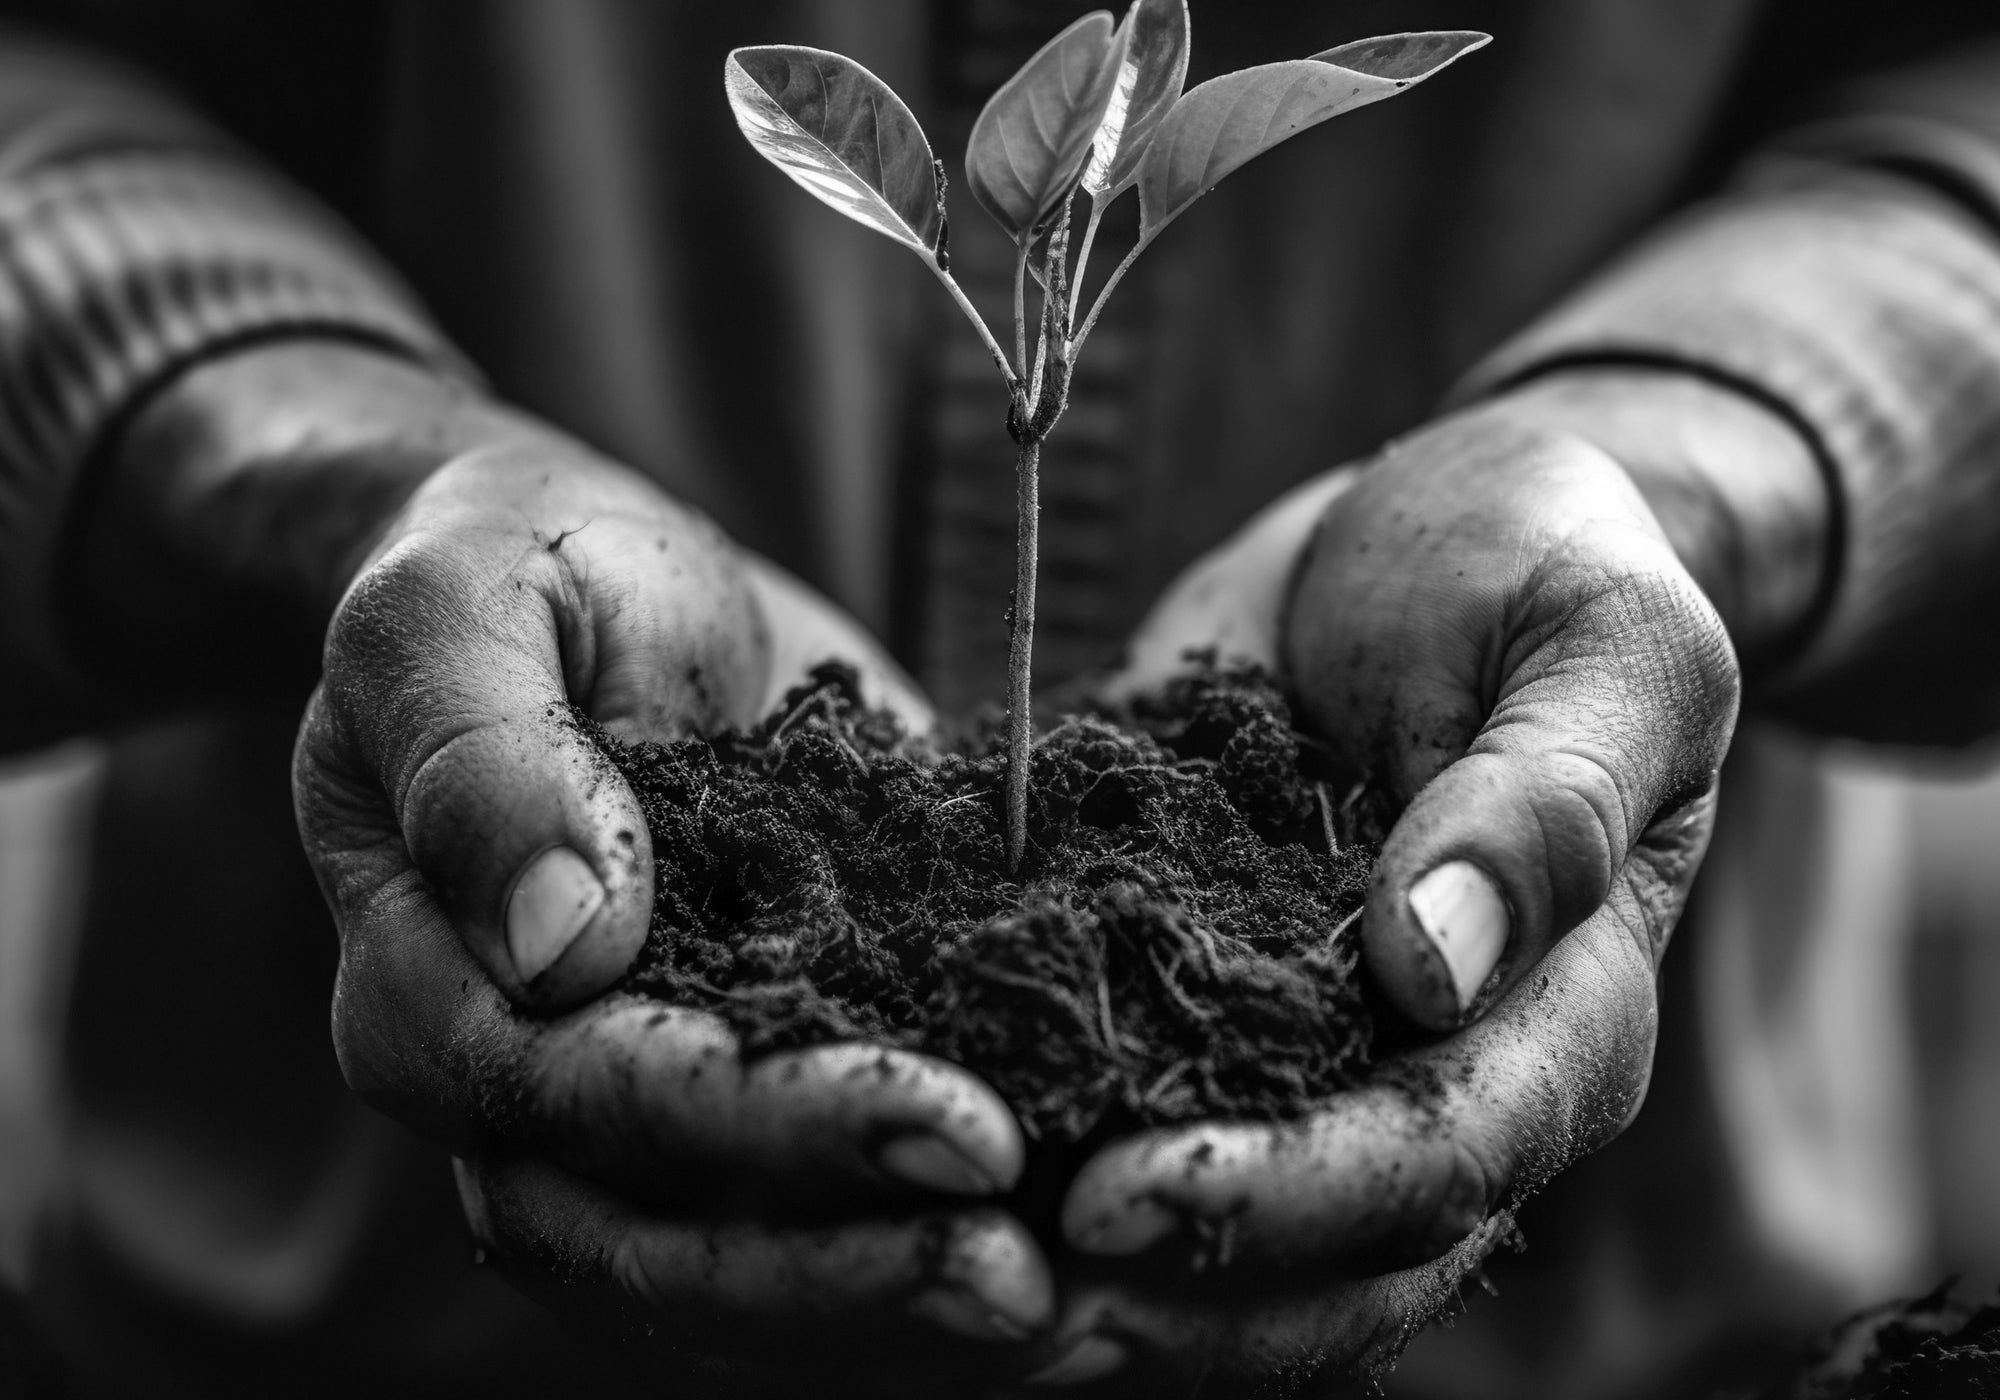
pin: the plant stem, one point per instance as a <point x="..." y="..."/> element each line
<point x="1054" y="328"/>
<point x="1104" y="295"/>
<point x="979" y="324"/>
<point x="1083" y="258"/>
<point x="1021" y="646"/>
<point x="1021" y="307"/>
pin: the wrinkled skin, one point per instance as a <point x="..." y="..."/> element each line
<point x="611" y="1152"/>
<point x="1490" y="624"/>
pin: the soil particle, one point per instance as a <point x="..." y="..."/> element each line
<point x="1940" y="1345"/>
<point x="1171" y="948"/>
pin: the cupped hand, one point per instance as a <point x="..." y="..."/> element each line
<point x="1489" y="627"/>
<point x="492" y="878"/>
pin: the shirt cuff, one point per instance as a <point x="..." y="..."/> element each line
<point x="117" y="273"/>
<point x="1861" y="306"/>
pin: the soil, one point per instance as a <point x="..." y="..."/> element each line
<point x="1176" y="945"/>
<point x="1940" y="1347"/>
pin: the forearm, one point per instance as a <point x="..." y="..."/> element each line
<point x="142" y="247"/>
<point x="228" y="515"/>
<point x="1838" y="327"/>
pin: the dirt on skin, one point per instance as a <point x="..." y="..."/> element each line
<point x="1175" y="946"/>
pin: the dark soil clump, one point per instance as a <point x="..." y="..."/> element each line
<point x="1175" y="946"/>
<point x="1938" y="1347"/>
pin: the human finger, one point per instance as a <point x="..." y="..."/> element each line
<point x="1399" y="1170"/>
<point x="1231" y="601"/>
<point x="806" y="629"/>
<point x="655" y="1098"/>
<point x="822" y="1292"/>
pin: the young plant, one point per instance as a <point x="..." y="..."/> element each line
<point x="1099" y="109"/>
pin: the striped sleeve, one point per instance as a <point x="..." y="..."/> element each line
<point x="133" y="244"/>
<point x="1850" y="279"/>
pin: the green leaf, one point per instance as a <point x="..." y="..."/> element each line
<point x="839" y="131"/>
<point x="1229" y="121"/>
<point x="1151" y="69"/>
<point x="1034" y="134"/>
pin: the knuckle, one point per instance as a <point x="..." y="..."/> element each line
<point x="1584" y="814"/>
<point x="1598" y="792"/>
<point x="1704" y="681"/>
<point x="339" y="810"/>
<point x="1694" y="712"/>
<point x="413" y="613"/>
<point x="633" y="1268"/>
<point x="1599" y="1082"/>
<point x="1638" y="665"/>
<point x="1674" y="643"/>
<point x="386" y="605"/>
<point x="475" y="1204"/>
<point x="348" y="1049"/>
<point x="1468" y="1187"/>
<point x="442" y="779"/>
<point x="419" y="652"/>
<point x="357" y="1038"/>
<point x="1658" y="880"/>
<point x="1655" y="911"/>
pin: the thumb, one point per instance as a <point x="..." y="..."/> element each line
<point x="443" y="738"/>
<point x="537" y="850"/>
<point x="1514" y="846"/>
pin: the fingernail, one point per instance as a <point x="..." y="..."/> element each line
<point x="552" y="901"/>
<point x="1137" y="1227"/>
<point x="968" y="1315"/>
<point x="1462" y="911"/>
<point x="991" y="1282"/>
<point x="1087" y="1360"/>
<point x="992" y="1285"/>
<point x="926" y="1160"/>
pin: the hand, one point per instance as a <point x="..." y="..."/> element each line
<point x="1490" y="626"/>
<point x="491" y="877"/>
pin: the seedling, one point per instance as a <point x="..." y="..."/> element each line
<point x="1098" y="110"/>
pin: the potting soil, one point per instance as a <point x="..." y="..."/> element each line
<point x="1176" y="944"/>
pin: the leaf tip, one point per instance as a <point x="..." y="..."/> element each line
<point x="1405" y="59"/>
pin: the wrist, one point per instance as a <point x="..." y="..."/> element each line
<point x="232" y="509"/>
<point x="1736" y="488"/>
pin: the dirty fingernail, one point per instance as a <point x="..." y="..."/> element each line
<point x="1464" y="914"/>
<point x="926" y="1160"/>
<point x="992" y="1284"/>
<point x="552" y="901"/>
<point x="1137" y="1227"/>
<point x="1089" y="1359"/>
<point x="968" y="1315"/>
